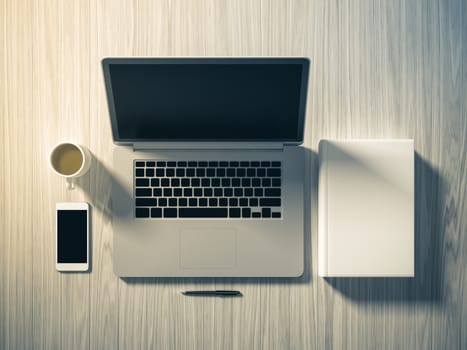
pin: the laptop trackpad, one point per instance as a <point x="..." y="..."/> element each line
<point x="208" y="247"/>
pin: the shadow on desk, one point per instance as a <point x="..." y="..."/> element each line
<point x="310" y="196"/>
<point x="427" y="285"/>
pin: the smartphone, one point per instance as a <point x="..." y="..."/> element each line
<point x="72" y="226"/>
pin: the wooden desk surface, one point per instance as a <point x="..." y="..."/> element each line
<point x="380" y="69"/>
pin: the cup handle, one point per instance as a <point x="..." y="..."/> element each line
<point x="70" y="184"/>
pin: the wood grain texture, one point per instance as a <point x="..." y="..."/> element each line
<point x="380" y="69"/>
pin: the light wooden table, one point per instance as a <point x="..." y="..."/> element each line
<point x="380" y="69"/>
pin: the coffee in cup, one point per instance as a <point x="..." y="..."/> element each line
<point x="71" y="161"/>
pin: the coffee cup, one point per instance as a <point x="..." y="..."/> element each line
<point x="70" y="161"/>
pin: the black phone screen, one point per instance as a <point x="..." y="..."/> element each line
<point x="72" y="236"/>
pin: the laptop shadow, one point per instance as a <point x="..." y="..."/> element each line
<point x="427" y="285"/>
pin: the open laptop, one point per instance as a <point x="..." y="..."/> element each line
<point x="208" y="171"/>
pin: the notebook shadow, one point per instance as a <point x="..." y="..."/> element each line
<point x="310" y="195"/>
<point x="427" y="285"/>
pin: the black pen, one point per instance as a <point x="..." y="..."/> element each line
<point x="221" y="293"/>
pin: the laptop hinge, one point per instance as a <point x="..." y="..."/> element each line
<point x="208" y="145"/>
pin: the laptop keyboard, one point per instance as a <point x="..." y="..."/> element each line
<point x="207" y="189"/>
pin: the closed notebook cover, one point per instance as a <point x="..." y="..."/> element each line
<point x="366" y="208"/>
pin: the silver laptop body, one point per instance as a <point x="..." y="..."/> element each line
<point x="208" y="174"/>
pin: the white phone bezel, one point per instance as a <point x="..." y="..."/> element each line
<point x="72" y="266"/>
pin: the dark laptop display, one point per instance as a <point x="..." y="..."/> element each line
<point x="207" y="100"/>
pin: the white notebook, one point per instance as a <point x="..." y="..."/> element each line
<point x="366" y="208"/>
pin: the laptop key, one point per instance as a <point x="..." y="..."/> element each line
<point x="139" y="164"/>
<point x="142" y="182"/>
<point x="182" y="202"/>
<point x="276" y="182"/>
<point x="266" y="212"/>
<point x="181" y="164"/>
<point x="234" y="212"/>
<point x="246" y="212"/>
<point x="192" y="164"/>
<point x="223" y="164"/>
<point x="155" y="182"/>
<point x="202" y="212"/>
<point x="203" y="164"/>
<point x="167" y="192"/>
<point x="193" y="202"/>
<point x="151" y="164"/>
<point x="213" y="164"/>
<point x="177" y="192"/>
<point x="272" y="192"/>
<point x="276" y="164"/>
<point x="274" y="172"/>
<point x="233" y="202"/>
<point x="162" y="202"/>
<point x="161" y="164"/>
<point x="253" y="202"/>
<point x="185" y="182"/>
<point x="180" y="172"/>
<point x="142" y="212"/>
<point x="175" y="182"/>
<point x="145" y="202"/>
<point x="157" y="192"/>
<point x="238" y="192"/>
<point x="170" y="212"/>
<point x="276" y="215"/>
<point x="165" y="182"/>
<point x="170" y="172"/>
<point x="139" y="172"/>
<point x="210" y="172"/>
<point x="218" y="192"/>
<point x="244" y="202"/>
<point x="143" y="192"/>
<point x="171" y="164"/>
<point x="172" y="202"/>
<point x="215" y="182"/>
<point x="203" y="202"/>
<point x="156" y="212"/>
<point x="223" y="202"/>
<point x="270" y="202"/>
<point x="256" y="215"/>
<point x="213" y="202"/>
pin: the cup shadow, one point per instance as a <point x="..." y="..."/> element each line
<point x="427" y="285"/>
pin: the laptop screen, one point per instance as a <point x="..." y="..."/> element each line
<point x="207" y="99"/>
